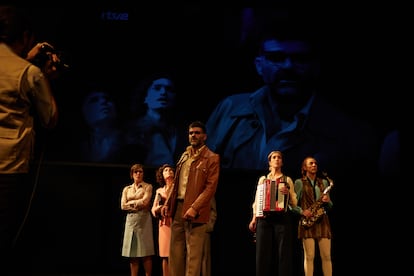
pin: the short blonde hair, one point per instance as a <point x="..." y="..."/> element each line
<point x="135" y="168"/>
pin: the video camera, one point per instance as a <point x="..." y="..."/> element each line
<point x="45" y="54"/>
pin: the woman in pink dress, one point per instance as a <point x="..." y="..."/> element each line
<point x="165" y="178"/>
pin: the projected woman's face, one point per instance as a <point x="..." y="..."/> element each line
<point x="161" y="94"/>
<point x="98" y="107"/>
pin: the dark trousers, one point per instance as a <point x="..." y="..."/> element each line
<point x="274" y="245"/>
<point x="15" y="192"/>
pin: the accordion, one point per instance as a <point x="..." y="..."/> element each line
<point x="269" y="197"/>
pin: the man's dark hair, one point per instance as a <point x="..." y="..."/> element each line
<point x="198" y="124"/>
<point x="14" y="21"/>
<point x="293" y="25"/>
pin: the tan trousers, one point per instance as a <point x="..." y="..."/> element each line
<point x="187" y="245"/>
<point x="206" y="261"/>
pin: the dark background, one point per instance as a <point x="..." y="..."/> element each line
<point x="210" y="51"/>
<point x="75" y="223"/>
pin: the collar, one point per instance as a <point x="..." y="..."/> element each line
<point x="256" y="100"/>
<point x="194" y="153"/>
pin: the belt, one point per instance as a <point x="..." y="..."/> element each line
<point x="275" y="215"/>
<point x="180" y="199"/>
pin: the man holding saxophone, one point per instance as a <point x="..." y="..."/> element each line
<point x="313" y="201"/>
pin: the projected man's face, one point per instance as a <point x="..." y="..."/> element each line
<point x="286" y="66"/>
<point x="98" y="108"/>
<point x="161" y="94"/>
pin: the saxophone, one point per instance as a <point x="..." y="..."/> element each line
<point x="317" y="209"/>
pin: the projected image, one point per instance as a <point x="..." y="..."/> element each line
<point x="262" y="94"/>
<point x="103" y="140"/>
<point x="153" y="128"/>
<point x="287" y="111"/>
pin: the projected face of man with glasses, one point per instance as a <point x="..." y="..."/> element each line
<point x="286" y="66"/>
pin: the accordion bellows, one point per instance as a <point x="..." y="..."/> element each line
<point x="269" y="197"/>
